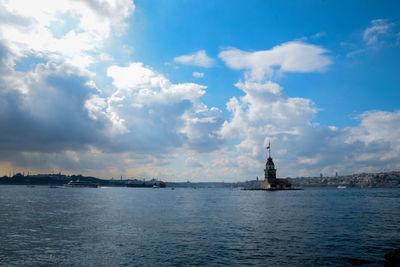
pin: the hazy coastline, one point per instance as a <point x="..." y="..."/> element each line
<point x="360" y="180"/>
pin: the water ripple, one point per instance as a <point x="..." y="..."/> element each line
<point x="204" y="227"/>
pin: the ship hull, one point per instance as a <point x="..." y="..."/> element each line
<point x="161" y="185"/>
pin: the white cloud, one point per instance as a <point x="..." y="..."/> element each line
<point x="356" y="52"/>
<point x="288" y="57"/>
<point x="264" y="113"/>
<point x="299" y="146"/>
<point x="199" y="59"/>
<point x="149" y="85"/>
<point x="106" y="57"/>
<point x="73" y="125"/>
<point x="198" y="74"/>
<point x="379" y="27"/>
<point x="135" y="76"/>
<point x="377" y="126"/>
<point x="50" y="101"/>
<point x="148" y="121"/>
<point x="136" y="131"/>
<point x="319" y="35"/>
<point x="378" y="34"/>
<point x="156" y="114"/>
<point x="64" y="30"/>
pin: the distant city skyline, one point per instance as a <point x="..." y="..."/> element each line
<point x="195" y="90"/>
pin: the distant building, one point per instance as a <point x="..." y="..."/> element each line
<point x="270" y="180"/>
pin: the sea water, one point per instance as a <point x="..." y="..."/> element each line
<point x="44" y="226"/>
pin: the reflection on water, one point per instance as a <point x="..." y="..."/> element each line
<point x="135" y="226"/>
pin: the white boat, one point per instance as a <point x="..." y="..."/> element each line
<point x="342" y="187"/>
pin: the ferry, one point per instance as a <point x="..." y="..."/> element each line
<point x="78" y="183"/>
<point x="149" y="184"/>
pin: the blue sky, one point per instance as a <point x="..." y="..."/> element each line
<point x="194" y="90"/>
<point x="168" y="29"/>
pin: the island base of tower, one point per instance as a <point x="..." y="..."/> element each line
<point x="272" y="189"/>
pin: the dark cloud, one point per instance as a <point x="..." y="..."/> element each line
<point x="43" y="110"/>
<point x="45" y="120"/>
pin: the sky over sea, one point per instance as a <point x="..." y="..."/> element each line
<point x="195" y="90"/>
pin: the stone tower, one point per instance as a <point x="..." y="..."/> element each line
<point x="270" y="171"/>
<point x="270" y="181"/>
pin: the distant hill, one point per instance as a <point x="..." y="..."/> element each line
<point x="46" y="179"/>
<point x="60" y="179"/>
<point x="383" y="179"/>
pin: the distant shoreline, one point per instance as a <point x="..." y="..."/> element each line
<point x="361" y="180"/>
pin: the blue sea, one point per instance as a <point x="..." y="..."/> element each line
<point x="44" y="226"/>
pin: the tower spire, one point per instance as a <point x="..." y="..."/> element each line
<point x="269" y="150"/>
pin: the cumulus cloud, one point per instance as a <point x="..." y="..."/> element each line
<point x="377" y="126"/>
<point x="198" y="74"/>
<point x="264" y="104"/>
<point x="64" y="30"/>
<point x="53" y="114"/>
<point x="288" y="57"/>
<point x="55" y="101"/>
<point x="299" y="146"/>
<point x="153" y="112"/>
<point x="55" y="117"/>
<point x="262" y="114"/>
<point x="199" y="59"/>
<point x="379" y="27"/>
<point x="147" y="113"/>
<point x="44" y="110"/>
